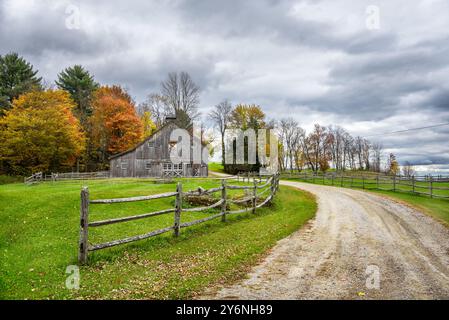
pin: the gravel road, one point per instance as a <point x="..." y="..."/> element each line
<point x="359" y="246"/>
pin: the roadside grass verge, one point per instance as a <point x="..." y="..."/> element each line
<point x="437" y="208"/>
<point x="39" y="228"/>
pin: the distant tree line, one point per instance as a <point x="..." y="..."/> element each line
<point x="329" y="147"/>
<point x="77" y="123"/>
<point x="319" y="150"/>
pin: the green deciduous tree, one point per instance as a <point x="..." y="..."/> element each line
<point x="244" y="117"/>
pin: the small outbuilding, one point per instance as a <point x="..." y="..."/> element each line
<point x="151" y="157"/>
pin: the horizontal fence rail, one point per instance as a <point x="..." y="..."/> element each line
<point x="39" y="176"/>
<point x="34" y="178"/>
<point x="421" y="185"/>
<point x="271" y="185"/>
<point x="99" y="175"/>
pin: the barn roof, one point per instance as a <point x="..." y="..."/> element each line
<point x="148" y="138"/>
<point x="145" y="140"/>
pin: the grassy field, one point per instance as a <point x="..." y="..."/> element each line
<point x="39" y="239"/>
<point x="437" y="208"/>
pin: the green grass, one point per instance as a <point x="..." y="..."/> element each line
<point x="216" y="166"/>
<point x="39" y="239"/>
<point x="5" y="179"/>
<point x="437" y="208"/>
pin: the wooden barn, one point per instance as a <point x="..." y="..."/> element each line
<point x="151" y="158"/>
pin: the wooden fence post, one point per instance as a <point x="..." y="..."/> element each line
<point x="377" y="178"/>
<point x="332" y="177"/>
<point x="341" y="180"/>
<point x="84" y="226"/>
<point x="431" y="186"/>
<point x="363" y="182"/>
<point x="278" y="178"/>
<point x="254" y="196"/>
<point x="223" y="198"/>
<point x="413" y="184"/>
<point x="272" y="187"/>
<point x="178" y="208"/>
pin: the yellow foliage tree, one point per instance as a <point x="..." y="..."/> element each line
<point x="247" y="116"/>
<point x="148" y="125"/>
<point x="40" y="133"/>
<point x="393" y="165"/>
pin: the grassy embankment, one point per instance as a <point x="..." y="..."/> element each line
<point x="216" y="167"/>
<point x="39" y="239"/>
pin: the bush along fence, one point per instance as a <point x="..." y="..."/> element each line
<point x="420" y="185"/>
<point x="270" y="186"/>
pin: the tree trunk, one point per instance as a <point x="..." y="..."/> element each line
<point x="223" y="152"/>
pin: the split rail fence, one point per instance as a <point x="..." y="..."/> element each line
<point x="271" y="185"/>
<point x="434" y="187"/>
<point x="39" y="177"/>
<point x="34" y="178"/>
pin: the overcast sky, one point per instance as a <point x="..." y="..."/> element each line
<point x="326" y="62"/>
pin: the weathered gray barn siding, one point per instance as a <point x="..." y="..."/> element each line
<point x="149" y="157"/>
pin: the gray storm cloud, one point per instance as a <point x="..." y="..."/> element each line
<point x="315" y="61"/>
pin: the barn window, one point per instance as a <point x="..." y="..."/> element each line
<point x="151" y="144"/>
<point x="124" y="165"/>
<point x="148" y="165"/>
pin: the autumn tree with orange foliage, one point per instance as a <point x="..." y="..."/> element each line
<point x="116" y="127"/>
<point x="40" y="133"/>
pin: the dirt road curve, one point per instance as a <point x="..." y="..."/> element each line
<point x="354" y="233"/>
